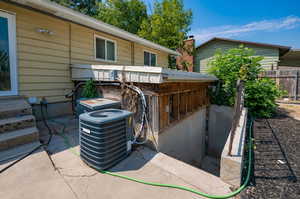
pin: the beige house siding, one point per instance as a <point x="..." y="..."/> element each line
<point x="162" y="58"/>
<point x="206" y="53"/>
<point x="82" y="47"/>
<point x="44" y="60"/>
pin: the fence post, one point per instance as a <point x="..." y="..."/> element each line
<point x="277" y="78"/>
<point x="238" y="107"/>
<point x="296" y="85"/>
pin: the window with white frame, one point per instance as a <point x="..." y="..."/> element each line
<point x="149" y="58"/>
<point x="105" y="49"/>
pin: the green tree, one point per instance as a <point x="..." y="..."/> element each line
<point x="88" y="7"/>
<point x="125" y="14"/>
<point x="4" y="70"/>
<point x="4" y="61"/>
<point x="90" y="90"/>
<point x="168" y="25"/>
<point x="240" y="63"/>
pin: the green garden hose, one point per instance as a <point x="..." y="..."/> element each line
<point x="229" y="195"/>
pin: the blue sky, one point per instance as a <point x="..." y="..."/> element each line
<point x="268" y="21"/>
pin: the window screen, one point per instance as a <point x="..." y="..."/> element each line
<point x="146" y="59"/>
<point x="149" y="59"/>
<point x="105" y="49"/>
<point x="153" y="59"/>
<point x="110" y="50"/>
<point x="100" y="48"/>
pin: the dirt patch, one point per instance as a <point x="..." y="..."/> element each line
<point x="276" y="170"/>
<point x="291" y="110"/>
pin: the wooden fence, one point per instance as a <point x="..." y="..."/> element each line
<point x="288" y="80"/>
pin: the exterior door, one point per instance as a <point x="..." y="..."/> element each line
<point x="8" y="62"/>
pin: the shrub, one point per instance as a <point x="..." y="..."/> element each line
<point x="90" y="90"/>
<point x="260" y="96"/>
<point x="231" y="65"/>
<point x="240" y="63"/>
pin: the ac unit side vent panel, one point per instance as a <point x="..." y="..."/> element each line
<point x="104" y="135"/>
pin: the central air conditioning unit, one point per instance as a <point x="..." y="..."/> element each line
<point x="89" y="105"/>
<point x="105" y="137"/>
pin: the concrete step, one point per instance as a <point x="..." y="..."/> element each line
<point x="18" y="137"/>
<point x="204" y="181"/>
<point x="15" y="123"/>
<point x="12" y="97"/>
<point x="211" y="165"/>
<point x="17" y="152"/>
<point x="14" y="107"/>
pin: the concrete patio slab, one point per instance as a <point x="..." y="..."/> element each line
<point x="142" y="164"/>
<point x="35" y="176"/>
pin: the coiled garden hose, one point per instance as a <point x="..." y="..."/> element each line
<point x="229" y="195"/>
<point x="73" y="95"/>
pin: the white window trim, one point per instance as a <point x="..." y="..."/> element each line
<point x="148" y="51"/>
<point x="105" y="39"/>
<point x="11" y="18"/>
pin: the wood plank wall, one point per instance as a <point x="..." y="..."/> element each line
<point x="44" y="60"/>
<point x="177" y="100"/>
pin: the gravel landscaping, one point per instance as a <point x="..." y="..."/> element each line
<point x="276" y="172"/>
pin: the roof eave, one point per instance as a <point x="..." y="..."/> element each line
<point x="72" y="15"/>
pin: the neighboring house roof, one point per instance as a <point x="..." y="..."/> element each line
<point x="282" y="49"/>
<point x="77" y="17"/>
<point x="292" y="54"/>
